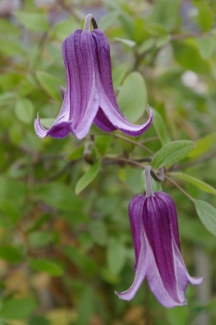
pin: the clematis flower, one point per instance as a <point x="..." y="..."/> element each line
<point x="89" y="96"/>
<point x="154" y="226"/>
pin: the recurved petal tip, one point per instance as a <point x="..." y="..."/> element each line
<point x="195" y="280"/>
<point x="39" y="129"/>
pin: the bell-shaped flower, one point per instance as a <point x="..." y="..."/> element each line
<point x="154" y="226"/>
<point x="89" y="96"/>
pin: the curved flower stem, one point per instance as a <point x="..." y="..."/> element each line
<point x="180" y="188"/>
<point x="90" y="19"/>
<point x="149" y="191"/>
<point x="158" y="178"/>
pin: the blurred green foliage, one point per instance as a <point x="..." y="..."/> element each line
<point x="62" y="255"/>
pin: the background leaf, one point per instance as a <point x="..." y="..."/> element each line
<point x="32" y="21"/>
<point x="18" y="308"/>
<point x="43" y="265"/>
<point x="132" y="97"/>
<point x="172" y="152"/>
<point x="87" y="178"/>
<point x="50" y="84"/>
<point x="24" y="110"/>
<point x="196" y="182"/>
<point x="207" y="214"/>
<point x="160" y="127"/>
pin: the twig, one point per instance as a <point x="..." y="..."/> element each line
<point x="118" y="160"/>
<point x="180" y="188"/>
<point x="193" y="163"/>
<point x="133" y="142"/>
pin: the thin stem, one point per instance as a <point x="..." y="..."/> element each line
<point x="180" y="188"/>
<point x="126" y="160"/>
<point x="149" y="191"/>
<point x="133" y="142"/>
<point x="177" y="37"/>
<point x="90" y="19"/>
<point x="193" y="163"/>
<point x="149" y="139"/>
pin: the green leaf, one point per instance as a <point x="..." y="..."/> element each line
<point x="183" y="54"/>
<point x="85" y="308"/>
<point x="24" y="110"/>
<point x="205" y="16"/>
<point x="9" y="28"/>
<point x="162" y="41"/>
<point x="39" y="320"/>
<point x="116" y="256"/>
<point x="58" y="196"/>
<point x="41" y="238"/>
<point x="87" y="178"/>
<point x="10" y="209"/>
<point x="62" y="29"/>
<point x="172" y="152"/>
<point x="12" y="47"/>
<point x="33" y="21"/>
<point x="207" y="214"/>
<point x="166" y="13"/>
<point x="146" y="45"/>
<point x="10" y="253"/>
<point x="196" y="182"/>
<point x="109" y="19"/>
<point x="203" y="145"/>
<point x="50" y="84"/>
<point x="206" y="46"/>
<point x="132" y="97"/>
<point x="127" y="42"/>
<point x="13" y="190"/>
<point x="177" y="316"/>
<point x="50" y="267"/>
<point x="18" y="308"/>
<point x="76" y="154"/>
<point x="103" y="143"/>
<point x="118" y="74"/>
<point x="160" y="127"/>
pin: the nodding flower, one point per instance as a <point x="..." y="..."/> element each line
<point x="89" y="96"/>
<point x="154" y="227"/>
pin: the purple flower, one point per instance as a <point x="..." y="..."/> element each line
<point x="154" y="226"/>
<point x="89" y="96"/>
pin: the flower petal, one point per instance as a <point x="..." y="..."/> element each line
<point x="157" y="286"/>
<point x="135" y="210"/>
<point x="159" y="233"/>
<point x="102" y="122"/>
<point x="181" y="268"/>
<point x="141" y="270"/>
<point x="106" y="93"/>
<point x="119" y="121"/>
<point x="168" y="201"/>
<point x="103" y="65"/>
<point x="81" y="83"/>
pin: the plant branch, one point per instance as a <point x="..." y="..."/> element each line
<point x="180" y="188"/>
<point x="193" y="163"/>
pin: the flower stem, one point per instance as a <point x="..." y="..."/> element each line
<point x="149" y="191"/>
<point x="89" y="19"/>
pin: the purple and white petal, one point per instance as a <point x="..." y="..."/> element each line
<point x="82" y="92"/>
<point x="141" y="270"/>
<point x="154" y="228"/>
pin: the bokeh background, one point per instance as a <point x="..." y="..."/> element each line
<point x="65" y="248"/>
